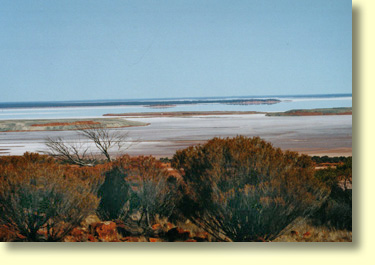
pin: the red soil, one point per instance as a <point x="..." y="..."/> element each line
<point x="66" y="123"/>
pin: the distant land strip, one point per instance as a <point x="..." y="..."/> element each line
<point x="299" y="112"/>
<point x="313" y="112"/>
<point x="74" y="124"/>
<point x="64" y="124"/>
<point x="181" y="113"/>
<point x="148" y="103"/>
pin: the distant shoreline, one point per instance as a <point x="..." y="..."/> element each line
<point x="158" y="101"/>
<point x="181" y="113"/>
<point x="116" y="120"/>
<point x="314" y="135"/>
<point x="307" y="112"/>
<point x="147" y="103"/>
<point x="313" y="112"/>
<point x="64" y="124"/>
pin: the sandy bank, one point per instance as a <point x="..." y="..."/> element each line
<point x="64" y="124"/>
<point x="314" y="135"/>
<point x="180" y="114"/>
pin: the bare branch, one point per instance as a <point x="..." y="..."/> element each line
<point x="104" y="139"/>
<point x="75" y="153"/>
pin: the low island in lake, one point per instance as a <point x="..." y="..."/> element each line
<point x="65" y="124"/>
<point x="313" y="112"/>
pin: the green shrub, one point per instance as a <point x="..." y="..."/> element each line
<point x="113" y="194"/>
<point x="243" y="189"/>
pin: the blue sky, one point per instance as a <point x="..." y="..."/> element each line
<point x="81" y="50"/>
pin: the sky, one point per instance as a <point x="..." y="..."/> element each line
<point x="92" y="50"/>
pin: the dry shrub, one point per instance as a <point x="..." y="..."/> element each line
<point x="244" y="189"/>
<point x="137" y="186"/>
<point x="38" y="201"/>
<point x="336" y="212"/>
<point x="93" y="176"/>
<point x="305" y="232"/>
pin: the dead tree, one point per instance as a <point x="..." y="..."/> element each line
<point x="104" y="139"/>
<point x="78" y="152"/>
<point x="74" y="153"/>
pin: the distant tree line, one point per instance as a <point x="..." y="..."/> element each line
<point x="327" y="159"/>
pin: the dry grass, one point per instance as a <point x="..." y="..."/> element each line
<point x="305" y="232"/>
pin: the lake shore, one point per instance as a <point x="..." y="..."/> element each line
<point x="180" y="114"/>
<point x="23" y="125"/>
<point x="309" y="112"/>
<point x="313" y="135"/>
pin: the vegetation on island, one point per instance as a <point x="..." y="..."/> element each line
<point x="313" y="112"/>
<point x="64" y="124"/>
<point x="180" y="113"/>
<point x="232" y="189"/>
<point x="297" y="112"/>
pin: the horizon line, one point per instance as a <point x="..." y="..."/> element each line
<point x="175" y="98"/>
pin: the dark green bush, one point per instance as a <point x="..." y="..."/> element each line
<point x="327" y="159"/>
<point x="140" y="186"/>
<point x="113" y="194"/>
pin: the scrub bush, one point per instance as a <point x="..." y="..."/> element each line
<point x="244" y="189"/>
<point x="38" y="202"/>
<point x="336" y="212"/>
<point x="137" y="185"/>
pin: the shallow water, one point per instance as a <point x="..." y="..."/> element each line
<point x="315" y="135"/>
<point x="287" y="103"/>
